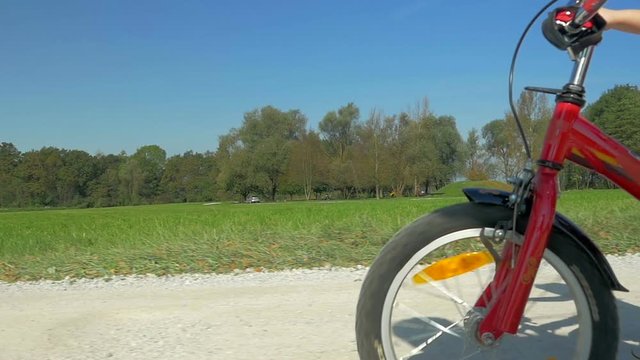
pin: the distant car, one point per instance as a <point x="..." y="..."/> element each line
<point x="253" y="199"/>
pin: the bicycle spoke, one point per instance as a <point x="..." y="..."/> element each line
<point x="430" y="322"/>
<point x="461" y="312"/>
<point x="472" y="354"/>
<point x="452" y="296"/>
<point x="430" y="340"/>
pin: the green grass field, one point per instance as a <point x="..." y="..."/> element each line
<point x="171" y="239"/>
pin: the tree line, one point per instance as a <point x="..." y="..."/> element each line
<point x="59" y="177"/>
<point x="274" y="154"/>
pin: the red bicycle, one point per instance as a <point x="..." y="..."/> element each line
<point x="505" y="276"/>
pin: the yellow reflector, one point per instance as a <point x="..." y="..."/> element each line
<point x="453" y="266"/>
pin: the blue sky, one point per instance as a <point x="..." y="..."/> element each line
<point x="111" y="76"/>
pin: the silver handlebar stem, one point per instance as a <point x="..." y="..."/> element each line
<point x="581" y="66"/>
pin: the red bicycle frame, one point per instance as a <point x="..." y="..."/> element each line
<point x="569" y="137"/>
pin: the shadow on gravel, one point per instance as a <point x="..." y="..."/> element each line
<point x="629" y="330"/>
<point x="415" y="331"/>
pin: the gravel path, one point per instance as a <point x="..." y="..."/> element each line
<point x="299" y="314"/>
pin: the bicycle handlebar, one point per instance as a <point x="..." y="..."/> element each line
<point x="574" y="28"/>
<point x="586" y="10"/>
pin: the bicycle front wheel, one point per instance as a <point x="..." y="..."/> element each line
<point x="410" y="307"/>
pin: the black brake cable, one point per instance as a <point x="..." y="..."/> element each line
<point x="512" y="70"/>
<point x="519" y="196"/>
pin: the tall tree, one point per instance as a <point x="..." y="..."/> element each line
<point x="104" y="188"/>
<point x="236" y="173"/>
<point x="338" y="129"/>
<point x="189" y="177"/>
<point x="9" y="182"/>
<point x="502" y="138"/>
<point x="38" y="172"/>
<point x="449" y="150"/>
<point x="338" y="132"/>
<point x="269" y="134"/>
<point x="308" y="165"/>
<point x="130" y="181"/>
<point x="256" y="156"/>
<point x="617" y="113"/>
<point x="373" y="139"/>
<point x="434" y="151"/>
<point x="399" y="154"/>
<point x="77" y="171"/>
<point x="476" y="164"/>
<point x="151" y="160"/>
<point x="499" y="143"/>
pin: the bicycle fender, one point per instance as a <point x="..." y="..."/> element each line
<point x="562" y="225"/>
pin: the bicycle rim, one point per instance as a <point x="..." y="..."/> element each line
<point x="435" y="319"/>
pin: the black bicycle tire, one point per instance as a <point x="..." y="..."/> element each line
<point x="397" y="252"/>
